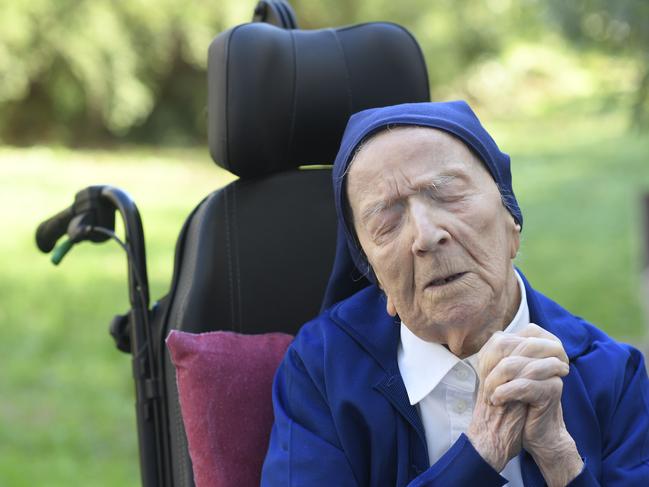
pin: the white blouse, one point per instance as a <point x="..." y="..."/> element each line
<point x="444" y="388"/>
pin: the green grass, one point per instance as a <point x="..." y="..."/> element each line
<point x="579" y="177"/>
<point x="66" y="400"/>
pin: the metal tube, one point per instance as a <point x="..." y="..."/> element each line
<point x="144" y="366"/>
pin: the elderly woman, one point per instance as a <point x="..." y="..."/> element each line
<point x="448" y="368"/>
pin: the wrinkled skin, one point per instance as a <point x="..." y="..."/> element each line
<point x="432" y="225"/>
<point x="529" y="373"/>
<point x="425" y="209"/>
<point x="519" y="404"/>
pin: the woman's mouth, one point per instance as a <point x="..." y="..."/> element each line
<point x="446" y="280"/>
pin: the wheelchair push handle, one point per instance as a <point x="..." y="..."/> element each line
<point x="52" y="229"/>
<point x="92" y="218"/>
<point x="89" y="211"/>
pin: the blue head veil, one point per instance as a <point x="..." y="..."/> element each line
<point x="350" y="271"/>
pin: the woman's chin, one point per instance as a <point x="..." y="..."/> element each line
<point x="461" y="327"/>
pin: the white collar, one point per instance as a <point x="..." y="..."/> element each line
<point x="424" y="364"/>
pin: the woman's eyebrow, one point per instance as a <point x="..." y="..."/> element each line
<point x="440" y="181"/>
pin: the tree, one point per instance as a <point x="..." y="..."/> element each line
<point x="75" y="70"/>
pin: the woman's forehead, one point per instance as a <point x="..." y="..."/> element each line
<point x="409" y="154"/>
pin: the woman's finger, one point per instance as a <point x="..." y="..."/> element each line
<point x="514" y="367"/>
<point x="529" y="391"/>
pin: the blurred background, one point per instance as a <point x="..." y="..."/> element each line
<point x="111" y="91"/>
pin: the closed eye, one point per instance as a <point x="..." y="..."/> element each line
<point x="385" y="222"/>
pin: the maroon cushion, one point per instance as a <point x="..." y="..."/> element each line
<point x="224" y="383"/>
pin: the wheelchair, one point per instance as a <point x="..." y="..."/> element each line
<point x="255" y="256"/>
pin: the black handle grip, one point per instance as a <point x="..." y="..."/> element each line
<point x="52" y="229"/>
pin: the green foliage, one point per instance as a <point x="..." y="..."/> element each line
<point x="618" y="26"/>
<point x="621" y="28"/>
<point x="84" y="72"/>
<point x="76" y="70"/>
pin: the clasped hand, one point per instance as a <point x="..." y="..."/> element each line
<point x="519" y="404"/>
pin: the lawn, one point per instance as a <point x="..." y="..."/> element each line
<point x="66" y="404"/>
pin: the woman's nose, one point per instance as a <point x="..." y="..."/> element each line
<point x="429" y="233"/>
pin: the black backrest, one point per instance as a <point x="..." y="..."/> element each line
<point x="255" y="256"/>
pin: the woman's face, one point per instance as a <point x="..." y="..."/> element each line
<point x="430" y="220"/>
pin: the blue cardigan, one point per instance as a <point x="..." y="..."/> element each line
<point x="342" y="415"/>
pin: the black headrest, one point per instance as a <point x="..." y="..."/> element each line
<point x="278" y="99"/>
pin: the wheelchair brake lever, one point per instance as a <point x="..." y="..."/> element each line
<point x="79" y="229"/>
<point x="88" y="210"/>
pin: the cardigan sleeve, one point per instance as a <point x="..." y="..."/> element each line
<point x="625" y="427"/>
<point x="460" y="465"/>
<point x="625" y="455"/>
<point x="303" y="448"/>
